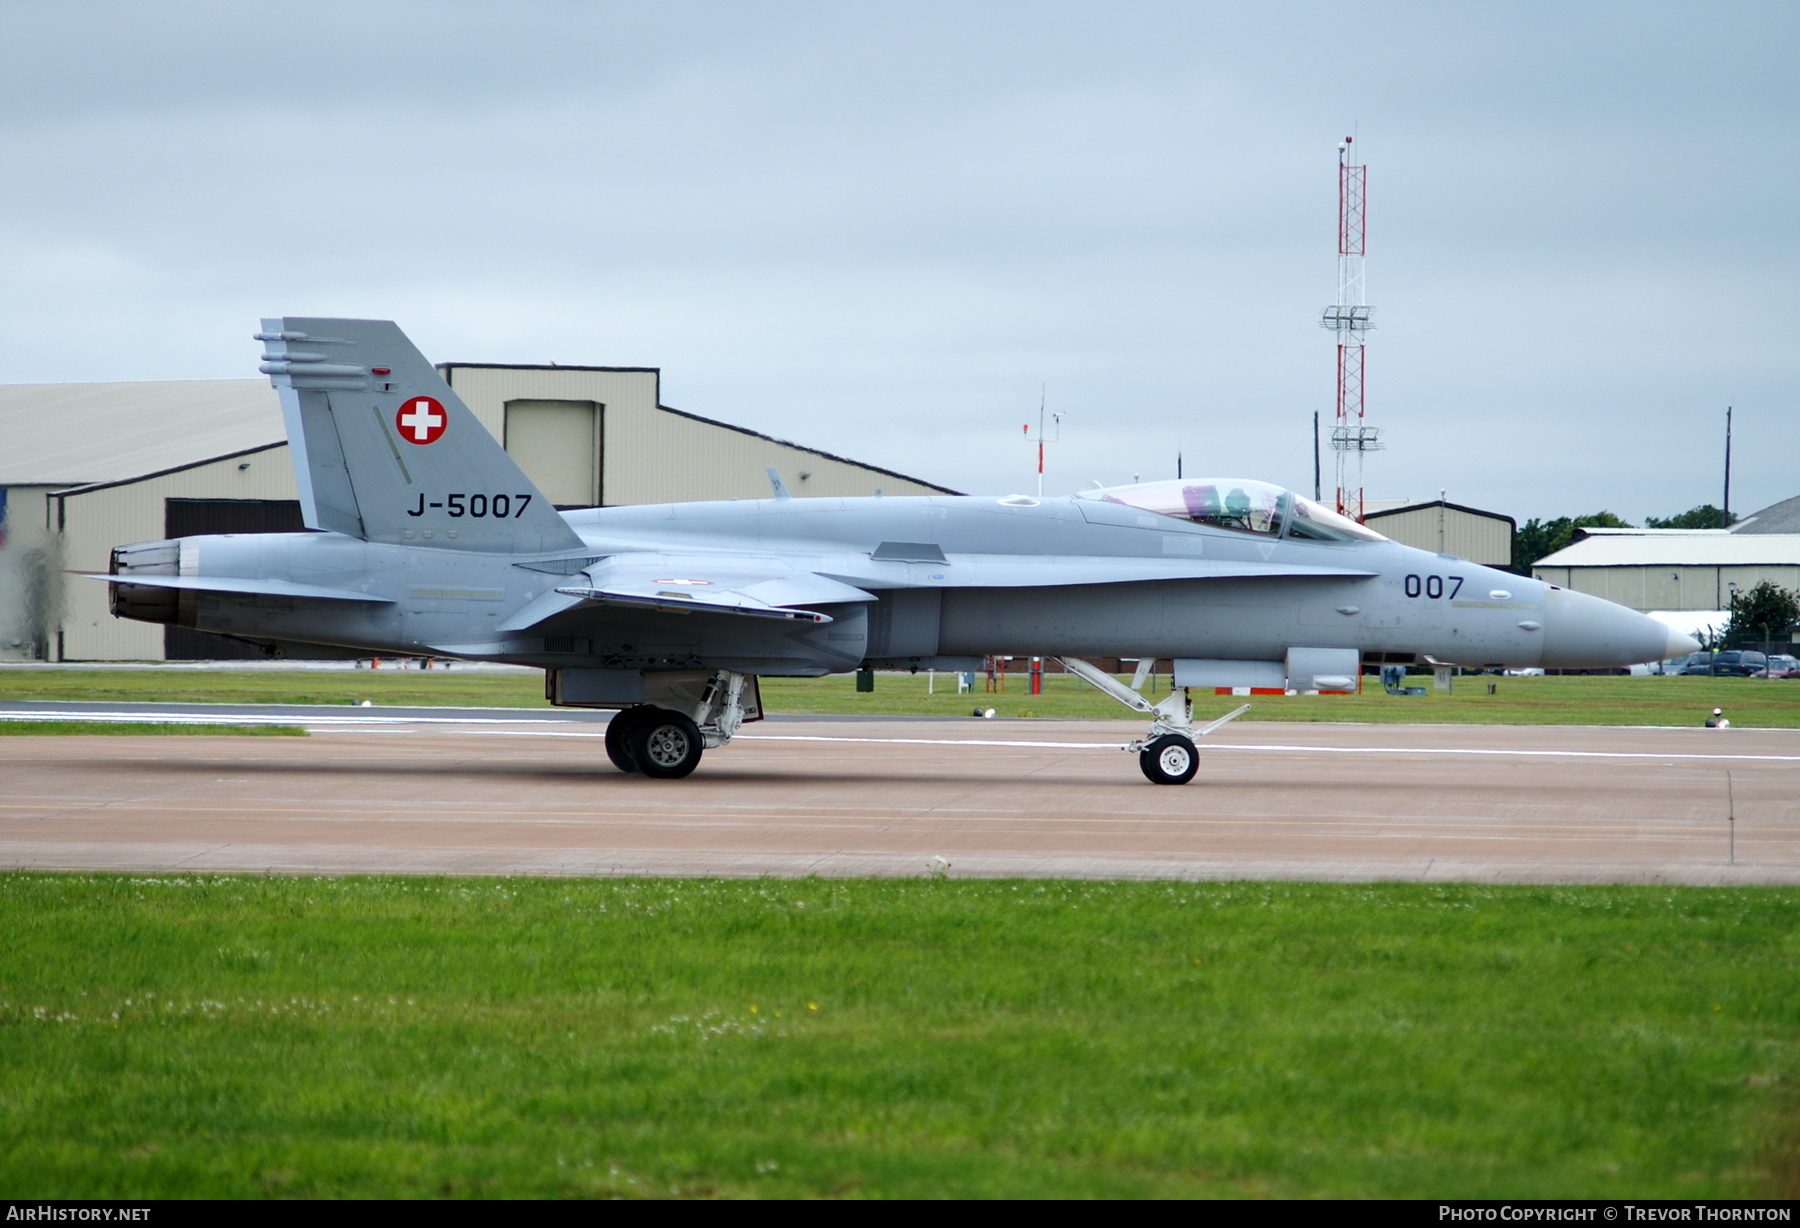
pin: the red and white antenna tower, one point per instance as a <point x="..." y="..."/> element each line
<point x="1352" y="436"/>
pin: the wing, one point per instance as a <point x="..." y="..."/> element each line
<point x="748" y="587"/>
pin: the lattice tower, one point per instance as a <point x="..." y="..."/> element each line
<point x="1351" y="436"/>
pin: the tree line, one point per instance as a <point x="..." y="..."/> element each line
<point x="1536" y="538"/>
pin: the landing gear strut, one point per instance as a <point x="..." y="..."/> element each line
<point x="1166" y="754"/>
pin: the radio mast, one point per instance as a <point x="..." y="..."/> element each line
<point x="1352" y="436"/>
<point x="1042" y="439"/>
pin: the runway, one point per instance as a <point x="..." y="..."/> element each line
<point x="493" y="793"/>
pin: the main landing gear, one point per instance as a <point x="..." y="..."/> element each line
<point x="666" y="744"/>
<point x="1166" y="755"/>
<point x="661" y="744"/>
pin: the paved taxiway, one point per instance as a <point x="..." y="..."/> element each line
<point x="375" y="792"/>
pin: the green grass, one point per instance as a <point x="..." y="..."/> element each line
<point x="227" y="686"/>
<point x="229" y="1037"/>
<point x="38" y="729"/>
<point x="1750" y="702"/>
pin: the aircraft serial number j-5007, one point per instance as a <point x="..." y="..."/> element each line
<point x="427" y="539"/>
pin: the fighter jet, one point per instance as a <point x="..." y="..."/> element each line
<point x="425" y="538"/>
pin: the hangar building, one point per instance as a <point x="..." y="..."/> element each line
<point x="1448" y="528"/>
<point x="86" y="467"/>
<point x="1673" y="569"/>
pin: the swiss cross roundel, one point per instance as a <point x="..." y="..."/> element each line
<point x="421" y="419"/>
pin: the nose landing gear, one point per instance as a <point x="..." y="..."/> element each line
<point x="1166" y="754"/>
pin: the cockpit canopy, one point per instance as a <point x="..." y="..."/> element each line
<point x="1239" y="505"/>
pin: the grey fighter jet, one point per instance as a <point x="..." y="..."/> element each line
<point x="427" y="539"/>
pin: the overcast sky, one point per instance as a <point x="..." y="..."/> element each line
<point x="880" y="229"/>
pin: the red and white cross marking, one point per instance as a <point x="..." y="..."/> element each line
<point x="421" y="420"/>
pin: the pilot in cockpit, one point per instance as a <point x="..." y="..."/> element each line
<point x="1237" y="510"/>
<point x="1244" y="507"/>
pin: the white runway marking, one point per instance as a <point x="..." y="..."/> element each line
<point x="795" y="737"/>
<point x="1303" y="750"/>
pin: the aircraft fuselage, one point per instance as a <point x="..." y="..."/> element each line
<point x="977" y="588"/>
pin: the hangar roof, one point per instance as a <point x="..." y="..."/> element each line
<point x="1676" y="548"/>
<point x="72" y="434"/>
<point x="1783" y="517"/>
<point x="83" y="434"/>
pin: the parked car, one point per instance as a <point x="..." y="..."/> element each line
<point x="1781" y="665"/>
<point x="1674" y="665"/>
<point x="1697" y="663"/>
<point x="1739" y="663"/>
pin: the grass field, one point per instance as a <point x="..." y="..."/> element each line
<point x="38" y="729"/>
<point x="197" y="1036"/>
<point x="1750" y="702"/>
<point x="438" y="688"/>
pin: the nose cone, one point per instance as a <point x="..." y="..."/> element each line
<point x="1679" y="645"/>
<point x="1583" y="632"/>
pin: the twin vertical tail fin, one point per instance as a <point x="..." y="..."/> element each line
<point x="385" y="451"/>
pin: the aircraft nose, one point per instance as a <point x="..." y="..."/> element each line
<point x="1679" y="645"/>
<point x="1583" y="632"/>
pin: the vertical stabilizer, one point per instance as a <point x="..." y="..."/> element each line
<point x="385" y="451"/>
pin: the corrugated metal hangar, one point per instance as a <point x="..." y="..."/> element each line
<point x="1674" y="569"/>
<point x="86" y="467"/>
<point x="1448" y="528"/>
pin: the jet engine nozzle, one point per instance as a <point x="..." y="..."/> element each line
<point x="1583" y="632"/>
<point x="140" y="601"/>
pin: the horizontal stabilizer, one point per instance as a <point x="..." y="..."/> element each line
<point x="254" y="588"/>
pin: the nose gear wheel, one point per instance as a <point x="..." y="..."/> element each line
<point x="1169" y="760"/>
